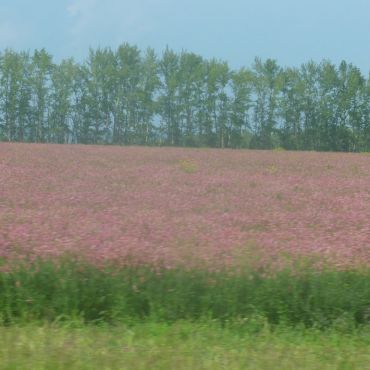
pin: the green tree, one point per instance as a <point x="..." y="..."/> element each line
<point x="126" y="91"/>
<point x="240" y="106"/>
<point x="61" y="98"/>
<point x="14" y="95"/>
<point x="290" y="107"/>
<point x="217" y="103"/>
<point x="147" y="105"/>
<point x="309" y="73"/>
<point x="40" y="82"/>
<point x="191" y="77"/>
<point x="266" y="90"/>
<point x="351" y="116"/>
<point x="328" y="106"/>
<point x="98" y="80"/>
<point x="168" y="98"/>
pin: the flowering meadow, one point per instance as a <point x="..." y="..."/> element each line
<point x="173" y="206"/>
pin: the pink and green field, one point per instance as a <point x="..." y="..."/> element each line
<point x="172" y="206"/>
<point x="133" y="257"/>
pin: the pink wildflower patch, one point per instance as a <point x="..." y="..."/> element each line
<point x="169" y="206"/>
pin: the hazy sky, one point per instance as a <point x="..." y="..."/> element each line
<point x="291" y="31"/>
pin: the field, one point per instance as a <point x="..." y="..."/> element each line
<point x="259" y="258"/>
<point x="184" y="206"/>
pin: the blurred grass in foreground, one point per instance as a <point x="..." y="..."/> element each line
<point x="181" y="345"/>
<point x="65" y="290"/>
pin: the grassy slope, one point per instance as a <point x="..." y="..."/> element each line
<point x="182" y="346"/>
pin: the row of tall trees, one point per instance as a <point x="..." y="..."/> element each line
<point x="129" y="97"/>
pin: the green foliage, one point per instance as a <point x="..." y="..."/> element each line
<point x="60" y="291"/>
<point x="127" y="97"/>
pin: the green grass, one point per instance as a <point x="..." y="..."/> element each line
<point x="67" y="290"/>
<point x="181" y="345"/>
<point x="72" y="315"/>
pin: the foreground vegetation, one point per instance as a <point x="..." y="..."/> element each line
<point x="69" y="314"/>
<point x="182" y="345"/>
<point x="64" y="290"/>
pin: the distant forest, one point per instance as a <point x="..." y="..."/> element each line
<point x="129" y="97"/>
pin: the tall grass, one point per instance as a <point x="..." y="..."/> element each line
<point x="67" y="289"/>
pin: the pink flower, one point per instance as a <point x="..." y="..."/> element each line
<point x="136" y="205"/>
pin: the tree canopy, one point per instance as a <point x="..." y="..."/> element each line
<point x="130" y="97"/>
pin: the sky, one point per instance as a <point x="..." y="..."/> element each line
<point x="237" y="31"/>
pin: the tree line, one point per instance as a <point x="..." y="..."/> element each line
<point x="130" y="97"/>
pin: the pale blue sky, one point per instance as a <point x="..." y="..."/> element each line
<point x="291" y="31"/>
